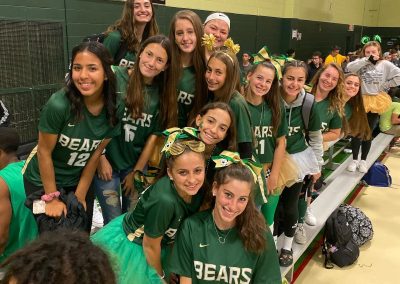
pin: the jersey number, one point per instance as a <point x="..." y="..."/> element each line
<point x="78" y="160"/>
<point x="129" y="132"/>
<point x="261" y="147"/>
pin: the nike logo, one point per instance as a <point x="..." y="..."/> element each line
<point x="203" y="245"/>
<point x="70" y="125"/>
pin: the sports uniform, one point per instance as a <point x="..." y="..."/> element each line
<point x="22" y="227"/>
<point x="113" y="43"/>
<point x="159" y="212"/>
<point x="261" y="117"/>
<point x="124" y="150"/>
<point x="199" y="254"/>
<point x="186" y="93"/>
<point x="242" y="118"/>
<point x="329" y="119"/>
<point x="76" y="142"/>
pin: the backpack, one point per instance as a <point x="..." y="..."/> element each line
<point x="338" y="246"/>
<point x="378" y="175"/>
<point x="306" y="107"/>
<point x="123" y="48"/>
<point x="360" y="224"/>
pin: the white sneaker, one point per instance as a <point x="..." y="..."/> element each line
<point x="310" y="218"/>
<point x="362" y="167"/>
<point x="352" y="166"/>
<point x="300" y="234"/>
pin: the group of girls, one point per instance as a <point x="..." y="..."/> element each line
<point x="110" y="118"/>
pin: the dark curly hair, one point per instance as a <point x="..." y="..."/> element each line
<point x="63" y="257"/>
<point x="109" y="88"/>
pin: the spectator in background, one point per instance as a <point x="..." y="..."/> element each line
<point x="335" y="56"/>
<point x="394" y="57"/>
<point x="290" y="53"/>
<point x="4" y="115"/>
<point x="17" y="225"/>
<point x="389" y="122"/>
<point x="314" y="65"/>
<point x="61" y="257"/>
<point x="244" y="68"/>
<point x="387" y="56"/>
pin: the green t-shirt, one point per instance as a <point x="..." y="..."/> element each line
<point x="113" y="44"/>
<point x="159" y="212"/>
<point x="124" y="150"/>
<point x="329" y="119"/>
<point x="186" y="92"/>
<point x="23" y="226"/>
<point x="348" y="111"/>
<point x="385" y="122"/>
<point x="261" y="118"/>
<point x="242" y="117"/>
<point x="76" y="140"/>
<point x="296" y="141"/>
<point x="199" y="255"/>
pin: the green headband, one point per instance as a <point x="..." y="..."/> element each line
<point x="227" y="158"/>
<point x="192" y="141"/>
<point x="366" y="39"/>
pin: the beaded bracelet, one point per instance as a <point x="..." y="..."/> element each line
<point x="50" y="196"/>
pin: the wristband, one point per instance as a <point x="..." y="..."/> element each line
<point x="50" y="196"/>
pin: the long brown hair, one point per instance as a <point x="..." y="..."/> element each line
<point x="198" y="58"/>
<point x="357" y="125"/>
<point x="126" y="26"/>
<point x="272" y="98"/>
<point x="232" y="79"/>
<point x="336" y="95"/>
<point x="229" y="143"/>
<point x="166" y="82"/>
<point x="250" y="224"/>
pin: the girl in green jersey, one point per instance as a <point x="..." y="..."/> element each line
<point x="150" y="106"/>
<point x="269" y="126"/>
<point x="138" y="240"/>
<point x="75" y="126"/>
<point x="137" y="23"/>
<point x="222" y="78"/>
<point x="186" y="31"/>
<point x="230" y="242"/>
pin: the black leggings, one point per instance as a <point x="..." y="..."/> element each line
<point x="373" y="119"/>
<point x="287" y="212"/>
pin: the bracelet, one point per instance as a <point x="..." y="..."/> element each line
<point x="50" y="196"/>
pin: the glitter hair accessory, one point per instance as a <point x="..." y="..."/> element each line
<point x="366" y="39"/>
<point x="178" y="139"/>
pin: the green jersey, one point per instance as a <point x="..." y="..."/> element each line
<point x="200" y="255"/>
<point x="242" y="116"/>
<point x="385" y="122"/>
<point x="329" y="119"/>
<point x="23" y="226"/>
<point x="261" y="118"/>
<point x="113" y="44"/>
<point x="76" y="140"/>
<point x="159" y="212"/>
<point x="186" y="92"/>
<point x="296" y="141"/>
<point x="124" y="150"/>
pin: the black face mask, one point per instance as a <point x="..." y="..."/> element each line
<point x="372" y="60"/>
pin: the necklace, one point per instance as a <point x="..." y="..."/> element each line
<point x="262" y="114"/>
<point x="221" y="238"/>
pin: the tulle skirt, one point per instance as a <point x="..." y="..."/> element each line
<point x="287" y="176"/>
<point x="307" y="163"/>
<point x="377" y="103"/>
<point x="127" y="258"/>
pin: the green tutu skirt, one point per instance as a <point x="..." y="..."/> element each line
<point x="127" y="258"/>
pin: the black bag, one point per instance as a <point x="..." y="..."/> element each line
<point x="360" y="224"/>
<point x="338" y="246"/>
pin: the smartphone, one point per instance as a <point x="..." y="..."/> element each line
<point x="38" y="207"/>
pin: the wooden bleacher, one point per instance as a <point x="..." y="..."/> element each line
<point x="338" y="186"/>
